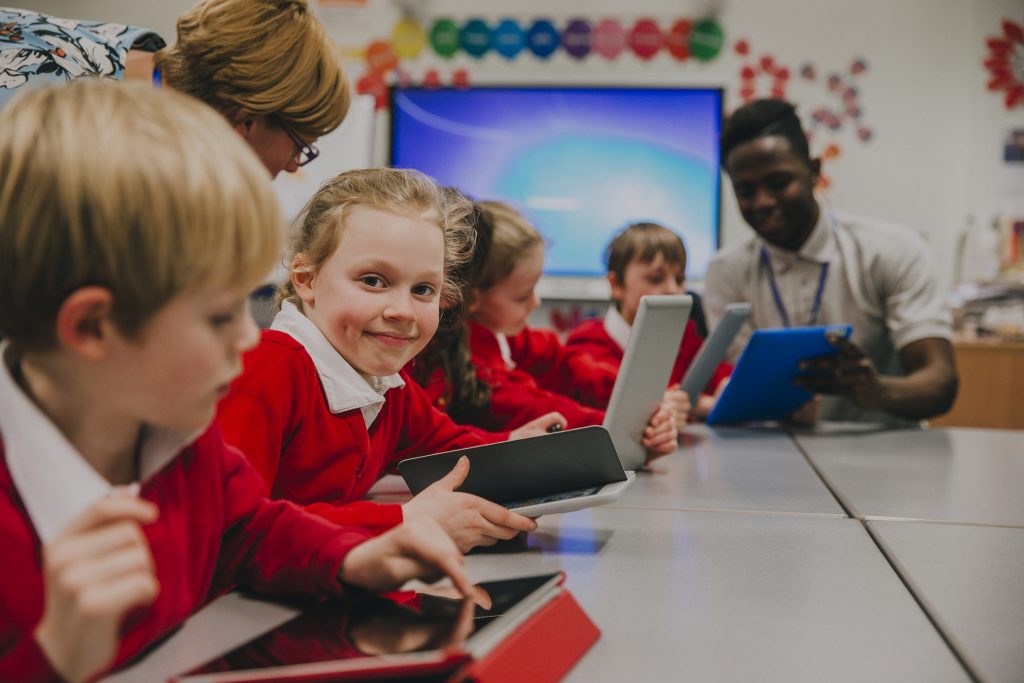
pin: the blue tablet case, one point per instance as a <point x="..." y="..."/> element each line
<point x="761" y="386"/>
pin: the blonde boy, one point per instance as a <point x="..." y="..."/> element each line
<point x="132" y="224"/>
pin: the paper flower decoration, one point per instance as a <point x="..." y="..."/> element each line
<point x="1006" y="63"/>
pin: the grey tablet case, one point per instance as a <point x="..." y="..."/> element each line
<point x="713" y="350"/>
<point x="544" y="474"/>
<point x="643" y="377"/>
<point x="761" y="386"/>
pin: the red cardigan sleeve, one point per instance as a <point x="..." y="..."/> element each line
<point x="272" y="546"/>
<point x="264" y="410"/>
<point x="425" y="429"/>
<point x="590" y="337"/>
<point x="569" y="371"/>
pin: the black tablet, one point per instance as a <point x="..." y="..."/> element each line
<point x="558" y="472"/>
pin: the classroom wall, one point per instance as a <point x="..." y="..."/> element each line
<point x="935" y="155"/>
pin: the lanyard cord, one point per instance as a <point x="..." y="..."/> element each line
<point x="157" y="77"/>
<point x="815" y="309"/>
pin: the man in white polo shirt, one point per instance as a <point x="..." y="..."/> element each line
<point x="808" y="265"/>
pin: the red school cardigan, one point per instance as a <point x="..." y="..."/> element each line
<point x="215" y="530"/>
<point x="277" y="414"/>
<point x="591" y="337"/>
<point x="546" y="377"/>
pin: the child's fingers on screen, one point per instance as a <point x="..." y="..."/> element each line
<point x="455" y="477"/>
<point x="496" y="514"/>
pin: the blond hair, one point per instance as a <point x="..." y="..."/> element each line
<point x="147" y="193"/>
<point x="512" y="238"/>
<point x="248" y="58"/>
<point x="643" y="242"/>
<point x="317" y="230"/>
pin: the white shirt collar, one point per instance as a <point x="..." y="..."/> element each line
<point x="344" y="387"/>
<point x="617" y="327"/>
<point x="505" y="349"/>
<point x="55" y="482"/>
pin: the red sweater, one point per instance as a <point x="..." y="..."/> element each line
<point x="592" y="337"/>
<point x="215" y="530"/>
<point x="439" y="393"/>
<point x="277" y="414"/>
<point x="547" y="377"/>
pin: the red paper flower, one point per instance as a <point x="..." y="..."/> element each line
<point x="1005" y="63"/>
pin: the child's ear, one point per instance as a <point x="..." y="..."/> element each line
<point x="616" y="286"/>
<point x="471" y="301"/>
<point x="302" y="280"/>
<point x="84" y="322"/>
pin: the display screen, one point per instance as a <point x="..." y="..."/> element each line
<point x="353" y="632"/>
<point x="580" y="163"/>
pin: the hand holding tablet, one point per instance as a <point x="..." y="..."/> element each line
<point x="764" y="384"/>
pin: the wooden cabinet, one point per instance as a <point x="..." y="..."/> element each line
<point x="991" y="385"/>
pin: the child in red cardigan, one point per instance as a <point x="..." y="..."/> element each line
<point x="445" y="368"/>
<point x="644" y="258"/>
<point x="528" y="370"/>
<point x="123" y="314"/>
<point x="323" y="407"/>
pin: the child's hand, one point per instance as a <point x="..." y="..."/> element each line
<point x="95" y="572"/>
<point x="661" y="437"/>
<point x="678" y="402"/>
<point x="417" y="548"/>
<point x="468" y="519"/>
<point x="705" y="402"/>
<point x="542" y="425"/>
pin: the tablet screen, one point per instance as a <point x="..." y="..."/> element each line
<point x="430" y="620"/>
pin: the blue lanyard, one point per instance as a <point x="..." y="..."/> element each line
<point x="157" y="77"/>
<point x="815" y="309"/>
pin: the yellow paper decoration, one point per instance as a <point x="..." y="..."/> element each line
<point x="408" y="38"/>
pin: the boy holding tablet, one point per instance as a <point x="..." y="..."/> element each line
<point x="132" y="225"/>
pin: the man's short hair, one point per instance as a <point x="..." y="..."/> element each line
<point x="145" y="192"/>
<point x="762" y="118"/>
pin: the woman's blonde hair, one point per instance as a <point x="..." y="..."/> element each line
<point x="512" y="238"/>
<point x="317" y="230"/>
<point x="145" y="192"/>
<point x="248" y="58"/>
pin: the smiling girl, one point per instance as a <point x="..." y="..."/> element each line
<point x="322" y="408"/>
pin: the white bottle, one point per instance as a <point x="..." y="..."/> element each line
<point x="978" y="252"/>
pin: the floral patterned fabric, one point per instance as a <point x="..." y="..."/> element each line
<point x="39" y="49"/>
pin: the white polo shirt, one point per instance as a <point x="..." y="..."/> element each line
<point x="880" y="280"/>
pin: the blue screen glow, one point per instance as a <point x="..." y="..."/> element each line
<point x="580" y="163"/>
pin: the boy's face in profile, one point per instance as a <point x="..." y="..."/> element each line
<point x="183" y="361"/>
<point x="640" y="278"/>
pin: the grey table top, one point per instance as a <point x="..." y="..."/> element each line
<point x="749" y="470"/>
<point x="971" y="580"/>
<point x="970" y="476"/>
<point x="711" y="596"/>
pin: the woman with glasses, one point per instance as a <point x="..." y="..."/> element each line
<point x="267" y="66"/>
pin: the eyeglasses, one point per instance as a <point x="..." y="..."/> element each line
<point x="303" y="153"/>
